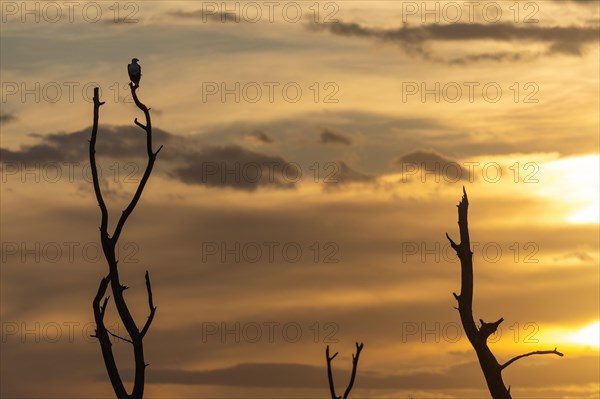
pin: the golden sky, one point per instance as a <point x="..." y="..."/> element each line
<point x="313" y="156"/>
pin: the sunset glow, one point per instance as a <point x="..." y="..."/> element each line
<point x="279" y="179"/>
<point x="587" y="336"/>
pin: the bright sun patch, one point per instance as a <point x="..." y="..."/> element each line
<point x="574" y="182"/>
<point x="588" y="336"/>
<point x="586" y="215"/>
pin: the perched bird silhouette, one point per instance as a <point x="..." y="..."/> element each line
<point x="135" y="71"/>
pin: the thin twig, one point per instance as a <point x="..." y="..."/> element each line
<point x="514" y="359"/>
<point x="118" y="336"/>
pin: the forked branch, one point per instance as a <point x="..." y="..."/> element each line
<point x="355" y="357"/>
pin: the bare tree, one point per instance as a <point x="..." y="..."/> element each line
<point x="109" y="244"/>
<point x="492" y="370"/>
<point x="352" y="377"/>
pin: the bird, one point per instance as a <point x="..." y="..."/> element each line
<point x="135" y="71"/>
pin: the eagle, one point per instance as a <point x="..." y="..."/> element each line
<point x="135" y="71"/>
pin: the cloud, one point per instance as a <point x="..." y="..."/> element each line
<point x="189" y="160"/>
<point x="431" y="161"/>
<point x="584" y="2"/>
<point x="260" y="136"/>
<point x="292" y="375"/>
<point x="206" y="15"/>
<point x="560" y="40"/>
<point x="292" y="143"/>
<point x="331" y="136"/>
<point x="565" y="48"/>
<point x="580" y="256"/>
<point x="388" y="135"/>
<point x="497" y="57"/>
<point x="7" y="118"/>
<point x="117" y="141"/>
<point x="343" y="174"/>
<point x="235" y="167"/>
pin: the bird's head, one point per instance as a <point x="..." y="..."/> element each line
<point x="134" y="60"/>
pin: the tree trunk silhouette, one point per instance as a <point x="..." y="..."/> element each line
<point x="109" y="244"/>
<point x="492" y="370"/>
<point x="352" y="376"/>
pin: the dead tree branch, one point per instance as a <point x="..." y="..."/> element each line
<point x="359" y="348"/>
<point x="514" y="359"/>
<point x="492" y="370"/>
<point x="109" y="244"/>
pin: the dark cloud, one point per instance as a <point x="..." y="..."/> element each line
<point x="290" y="375"/>
<point x="6" y="118"/>
<point x="331" y="136"/>
<point x="560" y="40"/>
<point x="388" y="136"/>
<point x="584" y="2"/>
<point x="496" y="57"/>
<point x="235" y="167"/>
<point x="340" y="174"/>
<point x="113" y="141"/>
<point x="188" y="159"/>
<point x="260" y="136"/>
<point x="181" y="154"/>
<point x="432" y="162"/>
<point x="565" y="48"/>
<point x="208" y="15"/>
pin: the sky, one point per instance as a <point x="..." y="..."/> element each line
<point x="313" y="157"/>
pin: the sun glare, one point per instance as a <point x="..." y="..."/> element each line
<point x="586" y="215"/>
<point x="588" y="336"/>
<point x="574" y="182"/>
